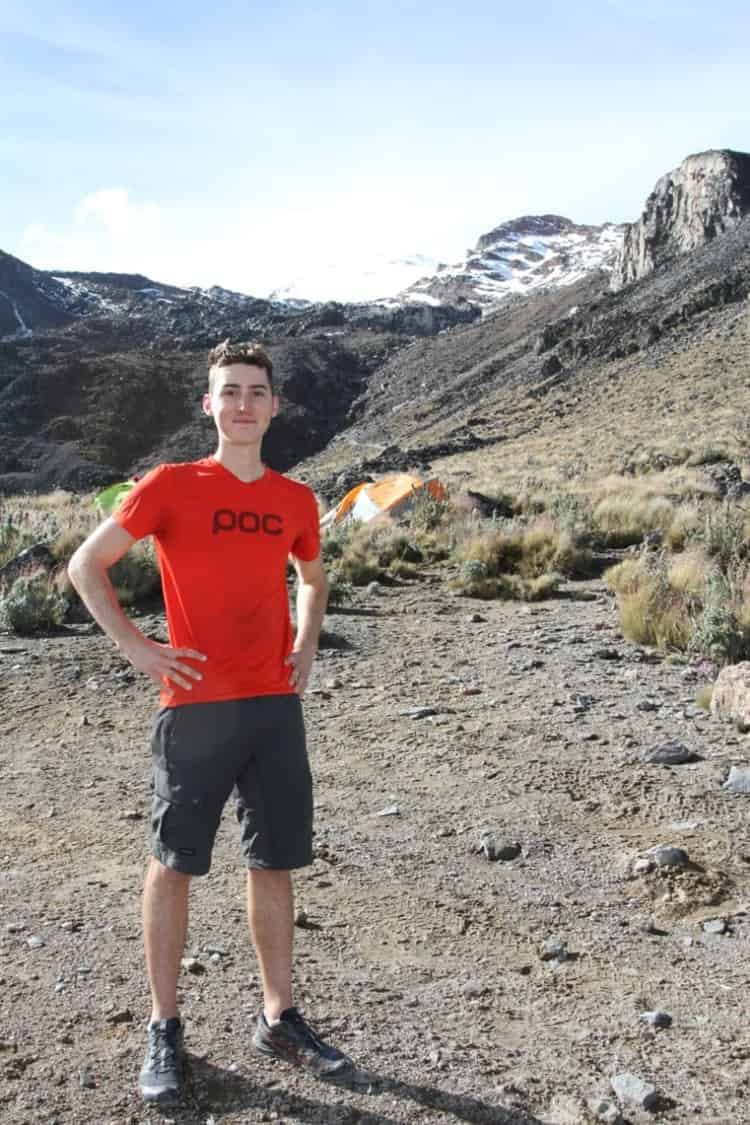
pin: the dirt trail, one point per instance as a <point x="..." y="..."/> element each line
<point x="420" y="956"/>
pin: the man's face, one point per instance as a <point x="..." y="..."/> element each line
<point x="241" y="403"/>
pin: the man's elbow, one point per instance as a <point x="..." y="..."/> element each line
<point x="75" y="568"/>
<point x="81" y="563"/>
<point x="318" y="586"/>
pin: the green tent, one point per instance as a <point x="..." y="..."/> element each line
<point x="108" y="499"/>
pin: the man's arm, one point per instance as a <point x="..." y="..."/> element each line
<point x="312" y="598"/>
<point x="88" y="571"/>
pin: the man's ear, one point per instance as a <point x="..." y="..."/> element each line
<point x="206" y="405"/>
<point x="275" y="406"/>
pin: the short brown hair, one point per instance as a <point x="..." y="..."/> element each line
<point x="244" y="351"/>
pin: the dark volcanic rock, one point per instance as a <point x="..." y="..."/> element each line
<point x="29" y="299"/>
<point x="707" y="195"/>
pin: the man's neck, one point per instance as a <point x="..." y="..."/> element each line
<point x="244" y="462"/>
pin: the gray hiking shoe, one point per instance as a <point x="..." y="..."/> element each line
<point x="162" y="1073"/>
<point x="293" y="1040"/>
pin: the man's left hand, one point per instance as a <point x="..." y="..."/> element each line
<point x="300" y="661"/>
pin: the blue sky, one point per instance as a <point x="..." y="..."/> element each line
<point x="241" y="144"/>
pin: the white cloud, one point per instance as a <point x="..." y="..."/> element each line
<point x="318" y="248"/>
<point x="107" y="231"/>
<point x="113" y="210"/>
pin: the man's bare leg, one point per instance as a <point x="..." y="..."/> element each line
<point x="165" y="917"/>
<point x="270" y="913"/>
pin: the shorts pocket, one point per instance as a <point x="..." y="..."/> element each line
<point x="162" y="740"/>
<point x="178" y="840"/>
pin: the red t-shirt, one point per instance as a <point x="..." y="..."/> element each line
<point x="222" y="546"/>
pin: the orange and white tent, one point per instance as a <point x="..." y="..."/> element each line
<point x="392" y="496"/>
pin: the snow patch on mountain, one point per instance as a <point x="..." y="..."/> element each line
<point x="380" y="278"/>
<point x="518" y="257"/>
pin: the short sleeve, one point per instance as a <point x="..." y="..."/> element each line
<point x="144" y="509"/>
<point x="307" y="544"/>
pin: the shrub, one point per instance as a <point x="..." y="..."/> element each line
<point x="573" y="513"/>
<point x="32" y="603"/>
<point x="135" y="576"/>
<point x="624" y="520"/>
<point x="686" y="605"/>
<point x="427" y="511"/>
<point x="14" y="538"/>
<point x="725" y="534"/>
<point x="339" y="590"/>
<point x="723" y="629"/>
<point x="685" y="525"/>
<point x="518" y="561"/>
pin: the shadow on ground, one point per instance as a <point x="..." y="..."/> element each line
<point x="215" y="1090"/>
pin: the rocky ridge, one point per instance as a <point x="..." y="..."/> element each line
<point x="706" y="196"/>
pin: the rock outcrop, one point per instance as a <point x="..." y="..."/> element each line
<point x="706" y="196"/>
<point x="731" y="695"/>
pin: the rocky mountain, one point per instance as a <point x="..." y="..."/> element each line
<point x="30" y="300"/>
<point x="523" y="256"/>
<point x="707" y="195"/>
<point x="101" y="375"/>
<point x="34" y="301"/>
<point x="581" y="378"/>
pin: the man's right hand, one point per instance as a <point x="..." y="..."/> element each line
<point x="165" y="665"/>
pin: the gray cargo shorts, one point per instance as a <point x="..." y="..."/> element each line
<point x="203" y="752"/>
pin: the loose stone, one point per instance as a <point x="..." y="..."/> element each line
<point x="491" y="850"/>
<point x="715" y="926"/>
<point x="193" y="965"/>
<point x="35" y="942"/>
<point x="738" y="780"/>
<point x="604" y="1110"/>
<point x="554" y="950"/>
<point x="656" y="1019"/>
<point x="670" y="754"/>
<point x="665" y="855"/>
<point x="474" y="988"/>
<point x="123" y="1015"/>
<point x="631" y="1090"/>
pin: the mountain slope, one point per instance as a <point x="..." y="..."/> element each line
<point x="579" y="376"/>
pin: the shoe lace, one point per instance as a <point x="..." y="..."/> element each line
<point x="295" y="1017"/>
<point x="162" y="1049"/>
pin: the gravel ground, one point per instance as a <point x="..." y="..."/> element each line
<point x="444" y="734"/>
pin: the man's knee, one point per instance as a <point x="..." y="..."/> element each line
<point x="269" y="877"/>
<point x="158" y="872"/>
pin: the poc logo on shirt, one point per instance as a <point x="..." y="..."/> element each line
<point x="225" y="519"/>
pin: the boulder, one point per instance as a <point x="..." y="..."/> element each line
<point x="731" y="694"/>
<point x="36" y="557"/>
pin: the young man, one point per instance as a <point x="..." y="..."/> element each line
<point x="231" y="679"/>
